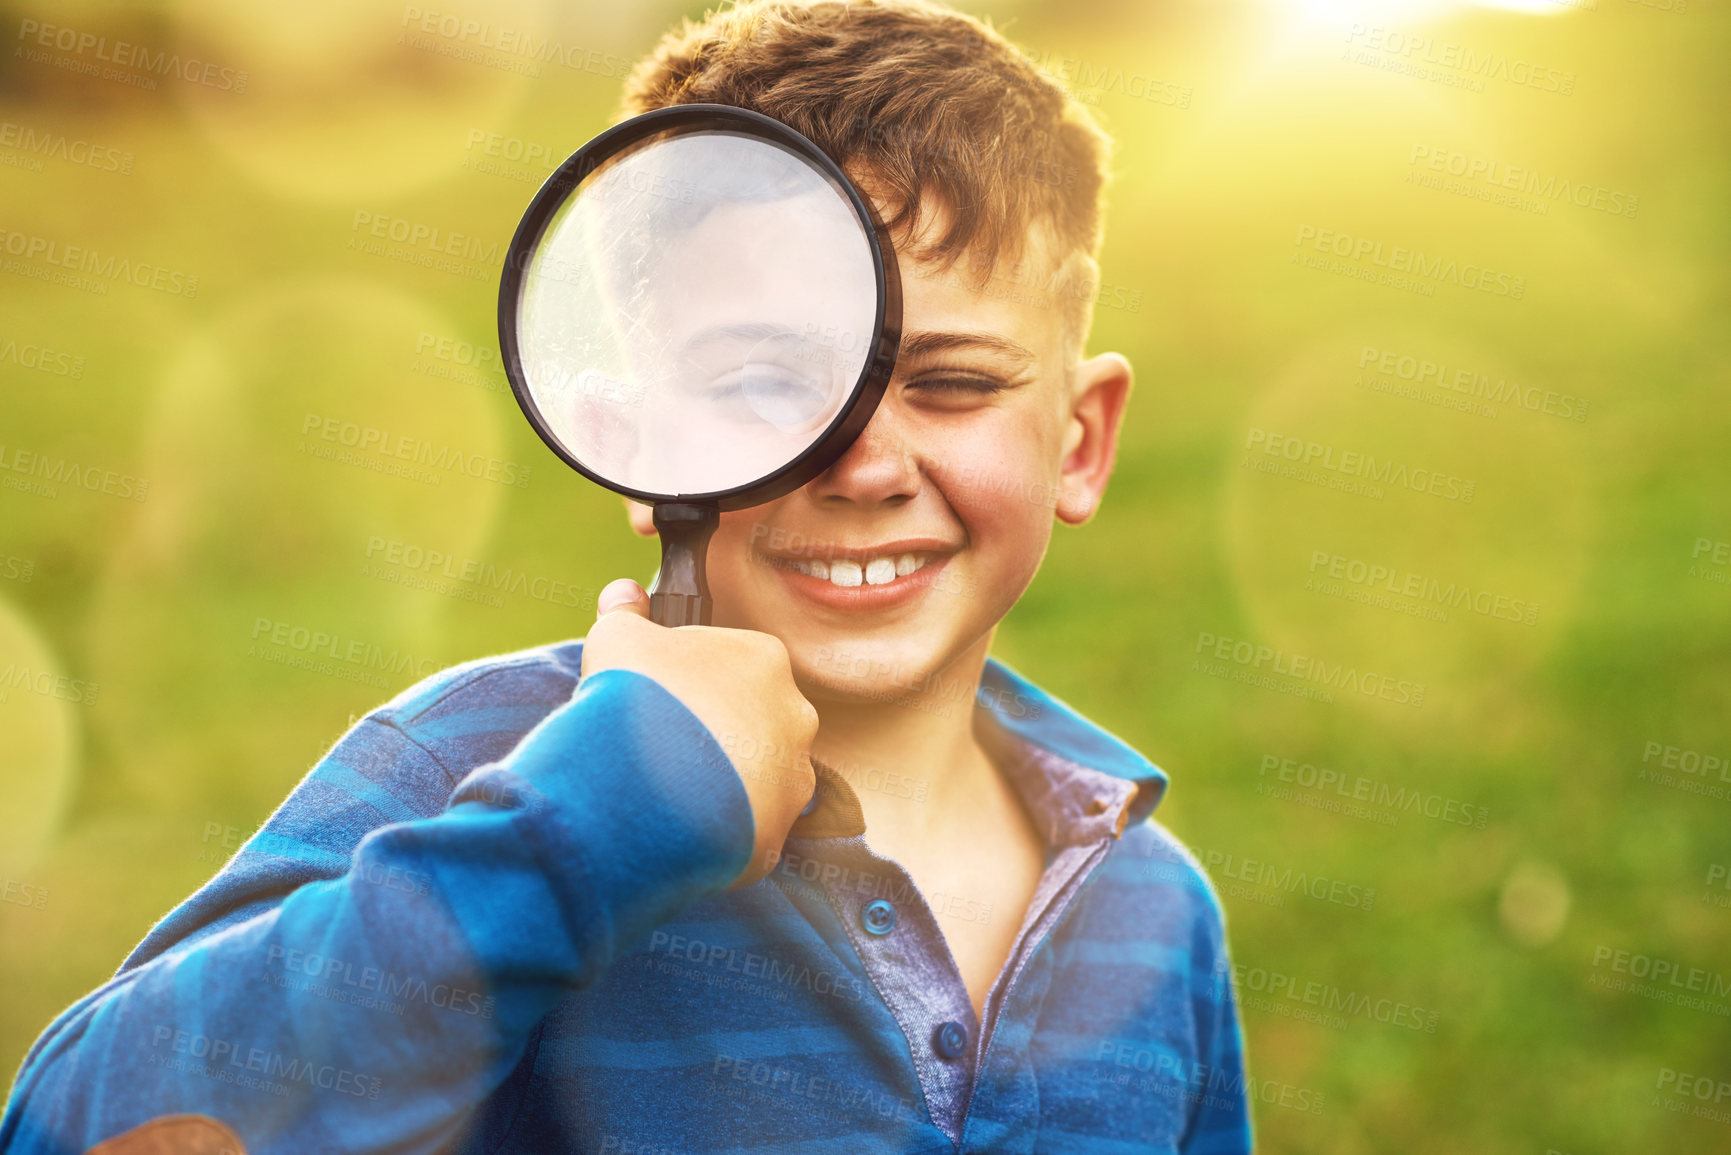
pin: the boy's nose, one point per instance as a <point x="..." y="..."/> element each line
<point x="880" y="466"/>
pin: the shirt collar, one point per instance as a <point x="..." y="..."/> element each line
<point x="1078" y="782"/>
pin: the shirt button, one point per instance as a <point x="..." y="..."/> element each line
<point x="950" y="1040"/>
<point x="879" y="917"/>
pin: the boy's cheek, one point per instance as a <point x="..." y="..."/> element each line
<point x="739" y="583"/>
<point x="1006" y="507"/>
<point x="1009" y="525"/>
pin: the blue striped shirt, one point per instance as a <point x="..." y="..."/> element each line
<point x="494" y="918"/>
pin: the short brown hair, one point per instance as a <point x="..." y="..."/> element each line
<point x="925" y="102"/>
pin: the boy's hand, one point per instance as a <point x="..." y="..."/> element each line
<point x="739" y="684"/>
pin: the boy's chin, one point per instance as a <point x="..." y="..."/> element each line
<point x="866" y="671"/>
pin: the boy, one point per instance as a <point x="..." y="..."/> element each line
<point x="584" y="897"/>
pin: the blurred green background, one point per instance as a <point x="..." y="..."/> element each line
<point x="1575" y="702"/>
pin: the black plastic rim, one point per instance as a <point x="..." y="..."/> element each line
<point x="855" y="413"/>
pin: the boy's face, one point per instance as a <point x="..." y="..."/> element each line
<point x="989" y="428"/>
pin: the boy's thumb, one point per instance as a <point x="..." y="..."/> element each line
<point x="623" y="594"/>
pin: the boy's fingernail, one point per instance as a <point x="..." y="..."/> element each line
<point x="620" y="592"/>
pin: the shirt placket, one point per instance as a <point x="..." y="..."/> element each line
<point x="904" y="952"/>
<point x="896" y="935"/>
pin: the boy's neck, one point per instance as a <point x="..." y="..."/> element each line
<point x="912" y="761"/>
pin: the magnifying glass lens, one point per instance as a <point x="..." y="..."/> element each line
<point x="697" y="313"/>
<point x="701" y="312"/>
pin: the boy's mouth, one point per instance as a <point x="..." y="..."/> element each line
<point x="876" y="571"/>
<point x="861" y="578"/>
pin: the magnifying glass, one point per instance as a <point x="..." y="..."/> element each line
<point x="699" y="311"/>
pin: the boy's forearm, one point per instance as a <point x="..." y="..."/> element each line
<point x="377" y="1010"/>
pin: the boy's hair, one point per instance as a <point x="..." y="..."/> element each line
<point x="924" y="104"/>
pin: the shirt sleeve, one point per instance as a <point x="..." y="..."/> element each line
<point x="1219" y="1122"/>
<point x="372" y="964"/>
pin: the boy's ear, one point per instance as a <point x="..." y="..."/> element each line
<point x="1097" y="403"/>
<point x="641" y="517"/>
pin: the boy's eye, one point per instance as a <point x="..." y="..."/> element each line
<point x="958" y="384"/>
<point x="760" y="393"/>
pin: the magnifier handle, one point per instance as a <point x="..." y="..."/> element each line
<point x="680" y="595"/>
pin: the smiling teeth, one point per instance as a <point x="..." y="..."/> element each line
<point x="877" y="572"/>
